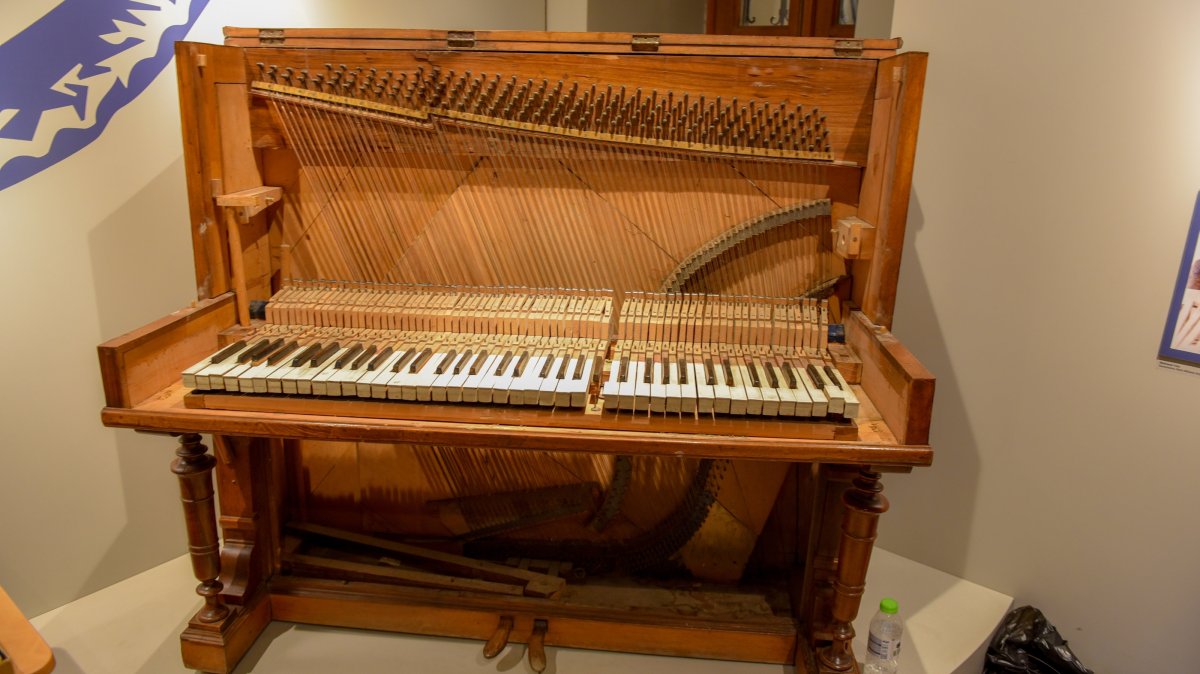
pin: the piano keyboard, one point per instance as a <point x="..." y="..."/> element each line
<point x="674" y="354"/>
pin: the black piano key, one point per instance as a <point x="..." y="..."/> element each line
<point x="623" y="374"/>
<point x="348" y="357"/>
<point x="479" y="360"/>
<point x="545" y="372"/>
<point x="266" y="353"/>
<point x="577" y="373"/>
<point x="378" y="360"/>
<point x="324" y="355"/>
<point x="832" y="379"/>
<point x="504" y="361"/>
<point x="402" y="361"/>
<point x="789" y="374"/>
<point x="228" y="351"/>
<point x="306" y="354"/>
<point x="445" y="362"/>
<point x="463" y="360"/>
<point x="284" y="352"/>
<point x="648" y="371"/>
<point x="683" y="365"/>
<point x="666" y="369"/>
<point x="364" y="357"/>
<point x="728" y="371"/>
<point x="772" y="378"/>
<point x="419" y="361"/>
<point x="754" y="380"/>
<point x="254" y="351"/>
<point x="562" y="367"/>
<point x="520" y="366"/>
<point x="710" y="374"/>
<point x="815" y="375"/>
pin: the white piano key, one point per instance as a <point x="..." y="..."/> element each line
<point x="577" y="386"/>
<point x="454" y="387"/>
<point x="374" y="383"/>
<point x="820" y="404"/>
<point x="837" y="399"/>
<point x="421" y="382"/>
<point x="674" y="391"/>
<point x="851" y="406"/>
<point x="739" y="398"/>
<point x="795" y="387"/>
<point x="320" y="381"/>
<point x="641" y="387"/>
<point x="770" y="398"/>
<point x="658" y="390"/>
<point x="477" y="387"/>
<point x="705" y="397"/>
<point x="722" y="391"/>
<point x="610" y="392"/>
<point x="688" y="401"/>
<point x="211" y="377"/>
<point x="546" y="394"/>
<point x="628" y="386"/>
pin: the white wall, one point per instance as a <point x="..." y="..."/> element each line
<point x="91" y="248"/>
<point x="1056" y="171"/>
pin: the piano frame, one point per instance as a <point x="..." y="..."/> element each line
<point x="236" y="551"/>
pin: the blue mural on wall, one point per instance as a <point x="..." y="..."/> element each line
<point x="67" y="74"/>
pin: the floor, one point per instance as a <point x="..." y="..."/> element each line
<point x="132" y="628"/>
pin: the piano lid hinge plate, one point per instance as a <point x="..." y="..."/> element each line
<point x="848" y="48"/>
<point x="460" y="39"/>
<point x="270" y="36"/>
<point x="648" y="43"/>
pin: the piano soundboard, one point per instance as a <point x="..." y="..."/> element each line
<point x="673" y="353"/>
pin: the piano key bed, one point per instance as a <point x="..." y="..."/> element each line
<point x="658" y="354"/>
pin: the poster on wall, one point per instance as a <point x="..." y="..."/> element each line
<point x="70" y="71"/>
<point x="1180" y="347"/>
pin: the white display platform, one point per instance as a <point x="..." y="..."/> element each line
<point x="133" y="628"/>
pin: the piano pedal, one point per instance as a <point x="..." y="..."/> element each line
<point x="499" y="639"/>
<point x="536" y="648"/>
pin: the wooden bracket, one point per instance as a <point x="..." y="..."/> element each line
<point x="250" y="202"/>
<point x="854" y="238"/>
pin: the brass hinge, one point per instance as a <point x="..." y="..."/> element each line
<point x="460" y="39"/>
<point x="645" y="42"/>
<point x="848" y="48"/>
<point x="270" y="36"/>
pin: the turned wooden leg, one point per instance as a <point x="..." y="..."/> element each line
<point x="864" y="504"/>
<point x="194" y="469"/>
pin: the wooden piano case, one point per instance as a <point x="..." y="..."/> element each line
<point x="552" y="160"/>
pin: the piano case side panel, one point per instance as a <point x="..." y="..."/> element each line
<point x="887" y="181"/>
<point x="143" y="362"/>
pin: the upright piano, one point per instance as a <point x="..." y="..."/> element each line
<point x="575" y="339"/>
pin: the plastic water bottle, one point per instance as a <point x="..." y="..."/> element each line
<point x="883" y="643"/>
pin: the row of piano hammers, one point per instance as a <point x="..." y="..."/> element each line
<point x="659" y="353"/>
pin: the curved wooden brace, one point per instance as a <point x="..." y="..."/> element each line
<point x="735" y="235"/>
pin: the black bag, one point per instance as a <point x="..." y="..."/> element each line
<point x="1028" y="644"/>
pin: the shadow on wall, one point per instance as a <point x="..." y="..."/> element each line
<point x="932" y="508"/>
<point x="141" y="270"/>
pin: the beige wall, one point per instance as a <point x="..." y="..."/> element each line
<point x="93" y="247"/>
<point x="1056" y="172"/>
<point x="874" y="18"/>
<point x="647" y="16"/>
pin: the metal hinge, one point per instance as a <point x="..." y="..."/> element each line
<point x="848" y="48"/>
<point x="270" y="36"/>
<point x="645" y="42"/>
<point x="460" y="39"/>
